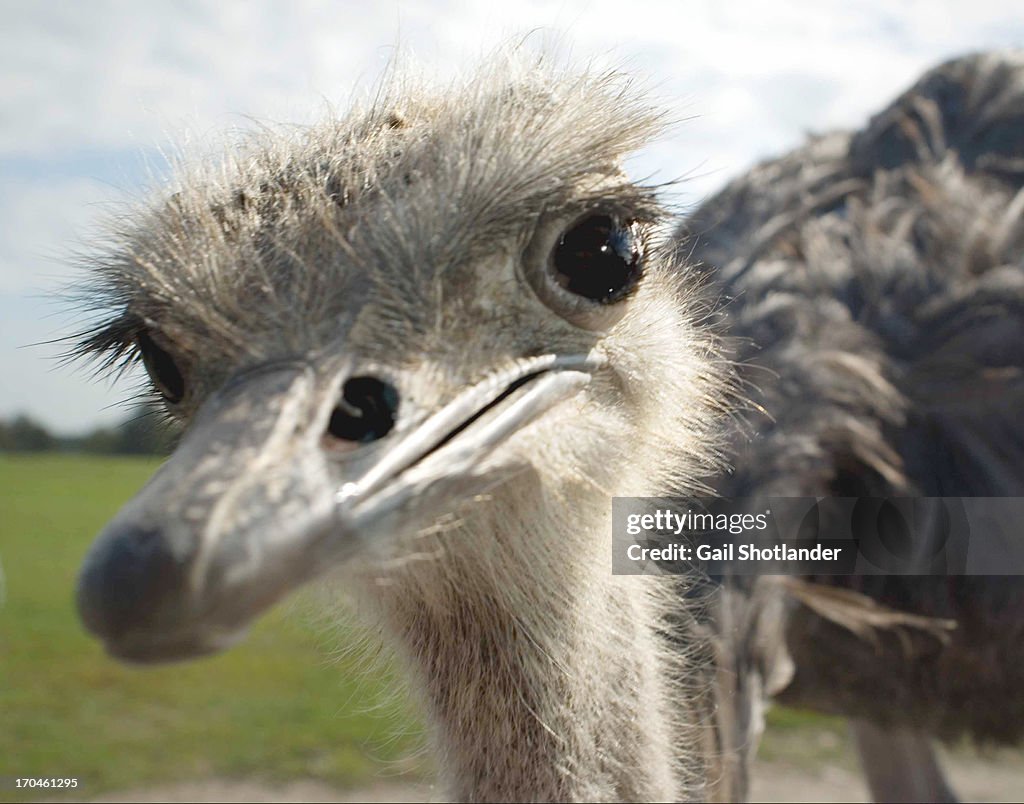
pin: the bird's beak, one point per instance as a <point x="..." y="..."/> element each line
<point x="254" y="502"/>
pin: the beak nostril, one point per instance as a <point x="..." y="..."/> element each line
<point x="366" y="411"/>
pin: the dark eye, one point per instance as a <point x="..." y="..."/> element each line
<point x="366" y="412"/>
<point x="162" y="369"/>
<point x="585" y="271"/>
<point x="598" y="259"/>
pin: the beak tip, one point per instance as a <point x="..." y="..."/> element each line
<point x="124" y="581"/>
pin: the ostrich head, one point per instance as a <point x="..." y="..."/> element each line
<point x="446" y="317"/>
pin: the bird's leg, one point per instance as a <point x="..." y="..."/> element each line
<point x="900" y="764"/>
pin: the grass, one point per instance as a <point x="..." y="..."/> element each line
<point x="805" y="739"/>
<point x="276" y="707"/>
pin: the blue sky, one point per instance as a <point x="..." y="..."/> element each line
<point x="93" y="93"/>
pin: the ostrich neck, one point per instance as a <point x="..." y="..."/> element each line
<point x="544" y="683"/>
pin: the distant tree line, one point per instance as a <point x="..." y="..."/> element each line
<point x="142" y="432"/>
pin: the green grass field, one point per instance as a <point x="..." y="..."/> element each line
<point x="276" y="707"/>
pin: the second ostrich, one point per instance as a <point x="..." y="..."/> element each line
<point x="875" y="287"/>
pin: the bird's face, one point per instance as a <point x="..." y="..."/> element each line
<point x="350" y="373"/>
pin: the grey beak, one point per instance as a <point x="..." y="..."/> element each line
<point x="228" y="525"/>
<point x="250" y="506"/>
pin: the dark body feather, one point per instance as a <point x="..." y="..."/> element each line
<point x="874" y="288"/>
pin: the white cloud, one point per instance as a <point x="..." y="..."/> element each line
<point x="118" y="75"/>
<point x="42" y="221"/>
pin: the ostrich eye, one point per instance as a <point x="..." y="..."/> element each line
<point x="162" y="369"/>
<point x="598" y="259"/>
<point x="584" y="272"/>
